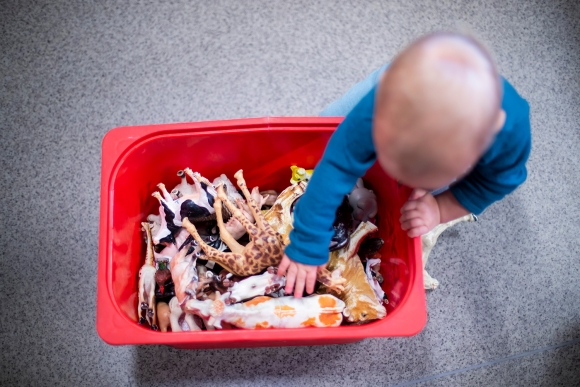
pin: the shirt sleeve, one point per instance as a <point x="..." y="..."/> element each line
<point x="499" y="172"/>
<point x="349" y="153"/>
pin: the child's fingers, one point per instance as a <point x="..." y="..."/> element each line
<point x="417" y="231"/>
<point x="412" y="223"/>
<point x="300" y="279"/>
<point x="409" y="206"/>
<point x="310" y="281"/>
<point x="290" y="279"/>
<point x="417" y="193"/>
<point x="283" y="265"/>
<point x="408" y="215"/>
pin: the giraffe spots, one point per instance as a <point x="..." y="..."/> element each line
<point x="284" y="311"/>
<point x="311" y="322"/>
<point x="330" y="319"/>
<point x="257" y="301"/>
<point x="258" y="255"/>
<point x="327" y="301"/>
<point x="262" y="325"/>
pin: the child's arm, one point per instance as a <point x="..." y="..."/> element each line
<point x="349" y="153"/>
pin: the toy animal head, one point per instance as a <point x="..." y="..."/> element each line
<point x="364" y="310"/>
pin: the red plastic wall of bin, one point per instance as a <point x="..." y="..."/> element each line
<point x="136" y="158"/>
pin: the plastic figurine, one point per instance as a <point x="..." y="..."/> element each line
<point x="164" y="234"/>
<point x="184" y="273"/>
<point x="256" y="285"/>
<point x="171" y="248"/>
<point x="266" y="246"/>
<point x="181" y="321"/>
<point x="364" y="203"/>
<point x="270" y="197"/>
<point x="147" y="284"/>
<point x="300" y="174"/>
<point x="362" y="304"/>
<point x="163" y="316"/>
<point x="320" y="310"/>
<point x="369" y="248"/>
<point x="374" y="277"/>
<point x="342" y="226"/>
<point x="231" y="190"/>
<point x="279" y="216"/>
<point x="154" y="223"/>
<point x="183" y="188"/>
<point x="233" y="226"/>
<point x="428" y="241"/>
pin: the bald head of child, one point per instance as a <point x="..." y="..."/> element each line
<point x="437" y="109"/>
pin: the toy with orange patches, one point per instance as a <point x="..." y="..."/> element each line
<point x="319" y="310"/>
<point x="362" y="304"/>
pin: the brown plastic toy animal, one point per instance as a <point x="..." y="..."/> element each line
<point x="279" y="215"/>
<point x="362" y="304"/>
<point x="163" y="315"/>
<point x="266" y="246"/>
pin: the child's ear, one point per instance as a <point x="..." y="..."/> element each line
<point x="500" y="121"/>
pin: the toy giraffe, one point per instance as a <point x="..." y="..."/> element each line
<point x="147" y="284"/>
<point x="266" y="247"/>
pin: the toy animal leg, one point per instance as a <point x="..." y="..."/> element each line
<point x="196" y="183"/>
<point x="152" y="309"/>
<point x="225" y="235"/>
<point x="429" y="240"/>
<point x="237" y="213"/>
<point x="232" y="262"/>
<point x="165" y="193"/>
<point x="158" y="196"/>
<point x="429" y="282"/>
<point x="142" y="303"/>
<point x="260" y="221"/>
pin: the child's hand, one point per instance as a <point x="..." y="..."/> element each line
<point x="297" y="274"/>
<point x="420" y="214"/>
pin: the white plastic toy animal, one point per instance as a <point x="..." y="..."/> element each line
<point x="147" y="284"/>
<point x="256" y="285"/>
<point x="428" y="241"/>
<point x="320" y="310"/>
<point x="181" y="321"/>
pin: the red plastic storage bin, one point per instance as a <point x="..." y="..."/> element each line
<point x="136" y="158"/>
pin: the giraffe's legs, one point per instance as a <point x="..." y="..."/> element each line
<point x="225" y="235"/>
<point x="260" y="221"/>
<point x="237" y="213"/>
<point x="193" y="231"/>
<point x="217" y="256"/>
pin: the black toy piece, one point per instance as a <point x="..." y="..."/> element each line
<point x="342" y="226"/>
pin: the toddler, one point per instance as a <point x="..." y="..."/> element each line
<point x="440" y="119"/>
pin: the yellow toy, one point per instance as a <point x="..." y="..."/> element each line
<point x="300" y="174"/>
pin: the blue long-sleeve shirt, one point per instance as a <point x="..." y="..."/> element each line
<point x="350" y="152"/>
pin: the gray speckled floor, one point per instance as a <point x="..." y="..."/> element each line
<point x="70" y="71"/>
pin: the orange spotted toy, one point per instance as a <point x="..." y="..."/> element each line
<point x="320" y="310"/>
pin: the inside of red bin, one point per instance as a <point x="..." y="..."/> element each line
<point x="266" y="157"/>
